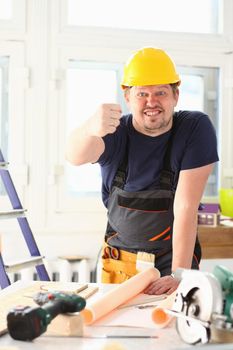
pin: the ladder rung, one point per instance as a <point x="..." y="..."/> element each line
<point x="15" y="213"/>
<point x="19" y="265"/>
<point x="4" y="165"/>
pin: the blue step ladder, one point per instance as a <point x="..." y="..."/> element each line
<point x="19" y="213"/>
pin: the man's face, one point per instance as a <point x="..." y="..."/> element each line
<point x="152" y="108"/>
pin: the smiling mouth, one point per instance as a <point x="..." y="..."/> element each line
<point x="152" y="113"/>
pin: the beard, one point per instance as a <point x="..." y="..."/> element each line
<point x="152" y="124"/>
<point x="156" y="124"/>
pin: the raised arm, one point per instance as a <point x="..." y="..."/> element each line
<point x="85" y="144"/>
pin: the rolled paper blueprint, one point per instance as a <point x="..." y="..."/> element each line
<point x="159" y="315"/>
<point x="119" y="295"/>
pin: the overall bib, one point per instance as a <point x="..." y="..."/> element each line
<point x="140" y="222"/>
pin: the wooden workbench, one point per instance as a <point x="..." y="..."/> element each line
<point x="99" y="337"/>
<point x="216" y="242"/>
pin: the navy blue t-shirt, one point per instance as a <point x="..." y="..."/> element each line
<point x="194" y="145"/>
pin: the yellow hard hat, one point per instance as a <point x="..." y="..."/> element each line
<point x="149" y="66"/>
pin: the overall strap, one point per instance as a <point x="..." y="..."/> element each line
<point x="167" y="175"/>
<point x="121" y="174"/>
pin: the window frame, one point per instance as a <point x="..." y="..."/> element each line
<point x="58" y="45"/>
<point x="16" y="120"/>
<point x="92" y="205"/>
<point x="16" y="26"/>
<point x="69" y="27"/>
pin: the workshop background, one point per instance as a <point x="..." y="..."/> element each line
<point x="58" y="60"/>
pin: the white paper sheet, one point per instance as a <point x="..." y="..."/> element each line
<point x="131" y="315"/>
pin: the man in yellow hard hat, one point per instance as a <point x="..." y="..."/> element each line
<point x="155" y="163"/>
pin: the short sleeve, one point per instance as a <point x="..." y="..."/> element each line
<point x="201" y="145"/>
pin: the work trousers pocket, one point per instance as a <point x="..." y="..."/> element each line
<point x="117" y="271"/>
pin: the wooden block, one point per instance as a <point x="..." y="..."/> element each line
<point x="68" y="325"/>
<point x="88" y="292"/>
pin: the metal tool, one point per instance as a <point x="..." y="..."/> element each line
<point x="28" y="323"/>
<point x="111" y="252"/>
<point x="204" y="306"/>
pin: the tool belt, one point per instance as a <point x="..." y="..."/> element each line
<point x="119" y="265"/>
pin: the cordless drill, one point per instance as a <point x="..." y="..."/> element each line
<point x="28" y="323"/>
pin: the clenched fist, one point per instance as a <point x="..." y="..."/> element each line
<point x="105" y="120"/>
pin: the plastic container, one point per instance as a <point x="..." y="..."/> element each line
<point x="226" y="201"/>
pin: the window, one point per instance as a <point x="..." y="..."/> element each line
<point x="4" y="65"/>
<point x="199" y="91"/>
<point x="197" y="16"/>
<point x="5" y="9"/>
<point x="88" y="85"/>
<point x="82" y="46"/>
<point x="12" y="17"/>
<point x="12" y="116"/>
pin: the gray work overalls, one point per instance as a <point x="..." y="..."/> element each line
<point x="143" y="221"/>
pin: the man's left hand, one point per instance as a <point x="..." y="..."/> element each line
<point x="163" y="285"/>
